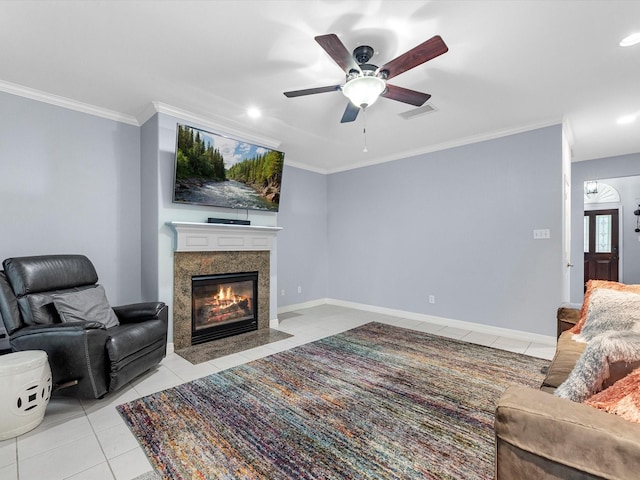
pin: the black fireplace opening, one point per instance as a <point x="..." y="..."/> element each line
<point x="223" y="305"/>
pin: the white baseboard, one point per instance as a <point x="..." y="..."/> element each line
<point x="447" y="322"/>
<point x="300" y="306"/>
<point x="170" y="348"/>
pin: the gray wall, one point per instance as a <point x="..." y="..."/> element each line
<point x="302" y="244"/>
<point x="457" y="224"/>
<point x="150" y="193"/>
<point x="601" y="169"/>
<point x="71" y="184"/>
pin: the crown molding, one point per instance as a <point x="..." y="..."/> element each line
<point x="65" y="102"/>
<point x="159" y="107"/>
<point x="306" y="167"/>
<point x="448" y="145"/>
<point x="146" y="114"/>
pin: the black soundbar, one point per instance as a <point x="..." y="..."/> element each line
<point x="228" y="221"/>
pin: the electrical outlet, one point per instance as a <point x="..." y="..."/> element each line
<point x="542" y="234"/>
<point x="432" y="299"/>
<point x="299" y="289"/>
<point x="282" y="292"/>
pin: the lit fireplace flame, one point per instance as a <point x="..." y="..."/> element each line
<point x="222" y="295"/>
<point x="226" y="297"/>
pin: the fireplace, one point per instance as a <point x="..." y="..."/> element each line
<point x="223" y="305"/>
<point x="207" y="249"/>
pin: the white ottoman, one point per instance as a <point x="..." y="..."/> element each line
<point x="25" y="388"/>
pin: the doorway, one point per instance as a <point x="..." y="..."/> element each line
<point x="601" y="245"/>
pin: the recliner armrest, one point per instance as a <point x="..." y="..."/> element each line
<point x="54" y="328"/>
<point x="138" y="312"/>
<point x="76" y="352"/>
<point x="568" y="313"/>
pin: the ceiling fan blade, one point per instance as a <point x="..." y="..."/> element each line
<point x="350" y="113"/>
<point x="405" y="95"/>
<point x="338" y="52"/>
<point x="311" y="91"/>
<point x="424" y="52"/>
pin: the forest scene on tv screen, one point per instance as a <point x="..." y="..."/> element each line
<point x="223" y="172"/>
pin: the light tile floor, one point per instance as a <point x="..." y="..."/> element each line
<point x="88" y="440"/>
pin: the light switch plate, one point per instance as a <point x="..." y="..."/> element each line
<point x="542" y="234"/>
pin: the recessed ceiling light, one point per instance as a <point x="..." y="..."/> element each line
<point x="630" y="40"/>
<point x="627" y="119"/>
<point x="253" y="112"/>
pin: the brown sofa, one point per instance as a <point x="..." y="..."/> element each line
<point x="540" y="436"/>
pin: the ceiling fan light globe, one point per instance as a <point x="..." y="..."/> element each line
<point x="364" y="91"/>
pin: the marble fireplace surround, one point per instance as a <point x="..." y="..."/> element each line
<point x="203" y="249"/>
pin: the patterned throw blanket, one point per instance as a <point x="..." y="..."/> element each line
<point x="612" y="334"/>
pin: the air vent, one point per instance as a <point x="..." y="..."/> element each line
<point x="418" y="112"/>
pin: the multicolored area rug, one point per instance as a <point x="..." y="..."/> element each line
<point x="375" y="402"/>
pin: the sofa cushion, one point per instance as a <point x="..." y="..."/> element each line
<point x="567" y="354"/>
<point x="610" y="310"/>
<point x="622" y="398"/>
<point x="619" y="370"/>
<point x="591" y="286"/>
<point x="592" y="444"/>
<point x="86" y="305"/>
<point x="592" y="368"/>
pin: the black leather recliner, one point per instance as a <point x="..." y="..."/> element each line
<point x="88" y="357"/>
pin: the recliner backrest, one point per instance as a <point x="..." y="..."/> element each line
<point x="5" y="345"/>
<point x="9" y="310"/>
<point x="34" y="279"/>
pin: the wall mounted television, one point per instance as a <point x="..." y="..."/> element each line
<point x="219" y="171"/>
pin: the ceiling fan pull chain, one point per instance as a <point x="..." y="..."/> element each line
<point x="364" y="129"/>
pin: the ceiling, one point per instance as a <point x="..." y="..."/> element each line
<point x="511" y="66"/>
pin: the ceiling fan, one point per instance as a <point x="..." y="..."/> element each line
<point x="366" y="82"/>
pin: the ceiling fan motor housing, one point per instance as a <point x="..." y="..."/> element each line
<point x="363" y="53"/>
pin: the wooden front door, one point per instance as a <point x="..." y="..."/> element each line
<point x="601" y="245"/>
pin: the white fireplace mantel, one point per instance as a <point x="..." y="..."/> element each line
<point x="217" y="237"/>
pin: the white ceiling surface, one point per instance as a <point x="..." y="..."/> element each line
<point x="511" y="66"/>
